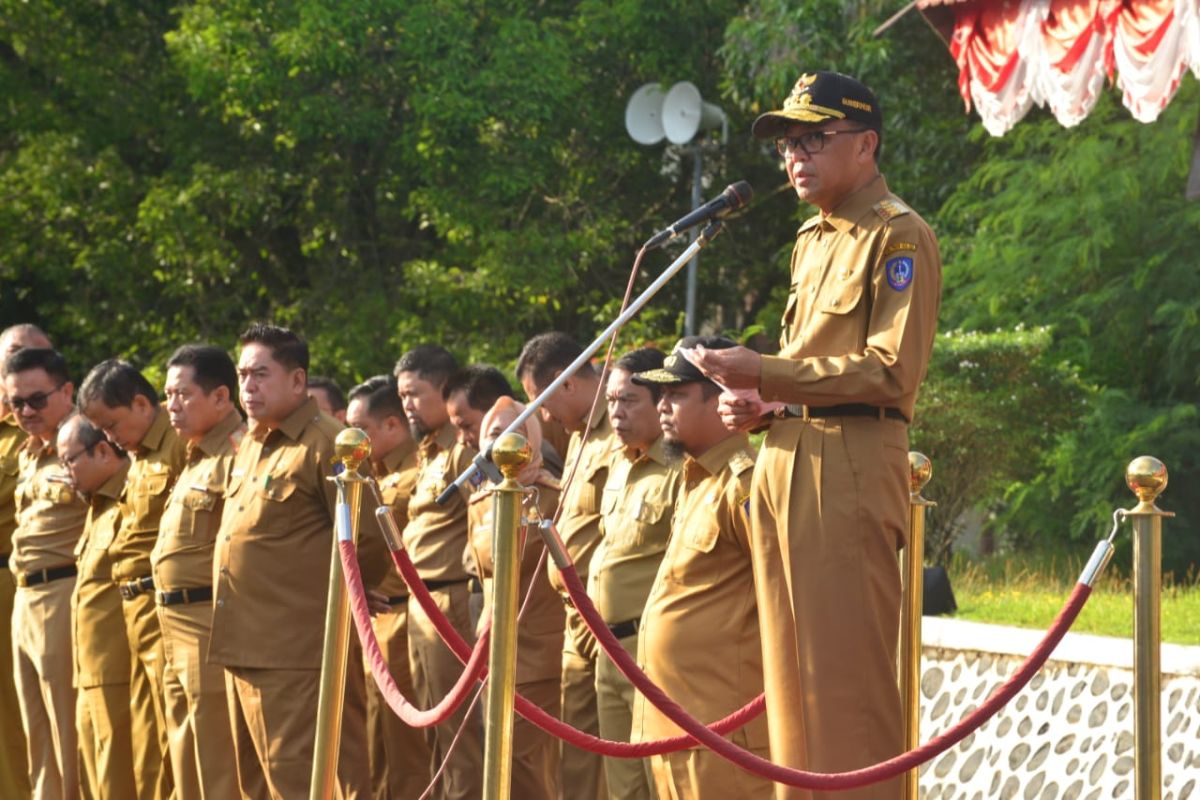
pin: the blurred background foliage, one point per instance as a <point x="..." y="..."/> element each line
<point x="390" y="172"/>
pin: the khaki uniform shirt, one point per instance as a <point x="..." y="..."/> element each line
<point x="157" y="461"/>
<point x="579" y="523"/>
<point x="182" y="557"/>
<point x="11" y="438"/>
<point x="396" y="482"/>
<point x="540" y="631"/>
<point x="699" y="637"/>
<point x="862" y="311"/>
<point x="271" y="565"/>
<point x="50" y="514"/>
<point x="101" y="648"/>
<point x="635" y="522"/>
<point x="435" y="535"/>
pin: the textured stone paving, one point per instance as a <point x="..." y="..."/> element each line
<point x="1068" y="735"/>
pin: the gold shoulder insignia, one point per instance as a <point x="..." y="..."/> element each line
<point x="740" y="463"/>
<point x="888" y="208"/>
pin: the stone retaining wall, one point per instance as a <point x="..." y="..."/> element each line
<point x="1069" y="734"/>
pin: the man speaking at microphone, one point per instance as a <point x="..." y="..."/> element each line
<point x="829" y="499"/>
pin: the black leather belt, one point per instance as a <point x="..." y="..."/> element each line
<point x="624" y="629"/>
<point x="397" y="600"/>
<point x="433" y="586"/>
<point x="4" y="561"/>
<point x="196" y="594"/>
<point x="135" y="587"/>
<point x="475" y="586"/>
<point x="27" y="579"/>
<point x="843" y="410"/>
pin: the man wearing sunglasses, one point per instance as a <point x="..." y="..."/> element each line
<point x="50" y="517"/>
<point x="829" y="504"/>
<point x="13" y="781"/>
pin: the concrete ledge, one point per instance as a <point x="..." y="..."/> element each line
<point x="1077" y="648"/>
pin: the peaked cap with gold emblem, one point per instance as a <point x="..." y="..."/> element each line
<point x="676" y="368"/>
<point x="819" y="97"/>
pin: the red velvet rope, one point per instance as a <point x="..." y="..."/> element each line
<point x="406" y="711"/>
<point x="815" y="780"/>
<point x="547" y="722"/>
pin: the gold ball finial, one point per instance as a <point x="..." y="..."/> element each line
<point x="511" y="452"/>
<point x="1146" y="477"/>
<point x="352" y="447"/>
<point x="920" y="470"/>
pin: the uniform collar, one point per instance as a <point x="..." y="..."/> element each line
<point x="115" y="484"/>
<point x="294" y="424"/>
<point x="656" y="452"/>
<point x="224" y="431"/>
<point x="155" y="433"/>
<point x="852" y="209"/>
<point x="715" y="458"/>
<point x="437" y="441"/>
<point x="599" y="420"/>
<point x="397" y="456"/>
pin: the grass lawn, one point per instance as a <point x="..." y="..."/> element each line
<point x="1007" y="592"/>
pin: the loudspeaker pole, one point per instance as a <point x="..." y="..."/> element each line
<point x="689" y="319"/>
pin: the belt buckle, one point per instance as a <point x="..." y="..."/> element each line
<point x="126" y="589"/>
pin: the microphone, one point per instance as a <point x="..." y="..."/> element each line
<point x="734" y="197"/>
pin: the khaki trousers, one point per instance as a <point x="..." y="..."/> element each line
<point x="434" y="671"/>
<point x="627" y="778"/>
<point x="829" y="510"/>
<point x="150" y="752"/>
<point x="703" y="775"/>
<point x="273" y="715"/>
<point x="42" y="667"/>
<point x="197" y="714"/>
<point x="105" y="742"/>
<point x="399" y="755"/>
<point x="14" y="771"/>
<point x="582" y="772"/>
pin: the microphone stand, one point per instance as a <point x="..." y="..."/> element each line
<point x="482" y="461"/>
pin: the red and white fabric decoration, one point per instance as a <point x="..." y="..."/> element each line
<point x="1012" y="54"/>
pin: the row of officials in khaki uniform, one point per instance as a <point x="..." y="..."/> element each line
<point x="170" y="559"/>
<point x="165" y="550"/>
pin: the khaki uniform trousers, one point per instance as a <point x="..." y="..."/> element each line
<point x="43" y="669"/>
<point x="399" y="755"/>
<point x="273" y="716"/>
<point x="150" y="753"/>
<point x="701" y="774"/>
<point x="14" y="772"/>
<point x="199" y="736"/>
<point x="582" y="772"/>
<point x="434" y="671"/>
<point x="829" y="510"/>
<point x="627" y="778"/>
<point x="105" y="742"/>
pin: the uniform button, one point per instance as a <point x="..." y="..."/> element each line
<point x="812" y="290"/>
<point x="221" y="601"/>
<point x="228" y="538"/>
<point x="224" y="570"/>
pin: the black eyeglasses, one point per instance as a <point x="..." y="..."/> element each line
<point x="37" y="401"/>
<point x="69" y="461"/>
<point x="810" y="143"/>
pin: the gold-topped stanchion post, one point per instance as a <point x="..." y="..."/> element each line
<point x="1146" y="477"/>
<point x="351" y="448"/>
<point x="912" y="565"/>
<point x="510" y="453"/>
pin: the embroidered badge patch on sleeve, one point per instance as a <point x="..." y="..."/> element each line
<point x="899" y="272"/>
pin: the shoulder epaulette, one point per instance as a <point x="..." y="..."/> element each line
<point x="235" y="438"/>
<point x="890" y="208"/>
